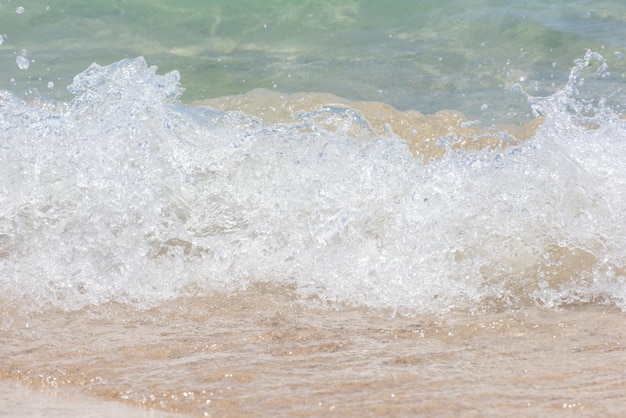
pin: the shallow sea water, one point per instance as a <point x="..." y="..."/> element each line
<point x="258" y="353"/>
<point x="312" y="209"/>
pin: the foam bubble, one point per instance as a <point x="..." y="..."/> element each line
<point x="22" y="62"/>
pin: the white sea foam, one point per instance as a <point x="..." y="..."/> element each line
<point x="125" y="194"/>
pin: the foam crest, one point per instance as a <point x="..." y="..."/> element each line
<point x="129" y="79"/>
<point x="79" y="185"/>
<point x="126" y="195"/>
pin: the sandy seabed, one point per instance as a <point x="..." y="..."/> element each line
<point x="261" y="352"/>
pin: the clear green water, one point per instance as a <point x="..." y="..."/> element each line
<point x="424" y="55"/>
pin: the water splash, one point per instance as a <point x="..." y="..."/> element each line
<point x="569" y="102"/>
<point x="126" y="195"/>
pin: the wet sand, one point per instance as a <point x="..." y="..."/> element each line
<point x="19" y="401"/>
<point x="260" y="352"/>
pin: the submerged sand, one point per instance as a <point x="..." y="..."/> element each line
<point x="421" y="132"/>
<point x="259" y="352"/>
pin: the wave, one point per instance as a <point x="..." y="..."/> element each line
<point x="124" y="194"/>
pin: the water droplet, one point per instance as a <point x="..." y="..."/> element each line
<point x="619" y="55"/>
<point x="484" y="107"/>
<point x="1" y="39"/>
<point x="20" y="10"/>
<point x="22" y="62"/>
<point x="50" y="85"/>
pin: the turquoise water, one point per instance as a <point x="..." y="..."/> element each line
<point x="423" y="55"/>
<point x="115" y="187"/>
